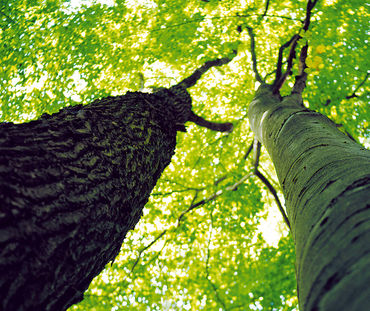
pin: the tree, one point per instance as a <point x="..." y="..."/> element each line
<point x="74" y="183"/>
<point x="204" y="252"/>
<point x="325" y="178"/>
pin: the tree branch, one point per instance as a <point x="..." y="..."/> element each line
<point x="273" y="191"/>
<point x="254" y="57"/>
<point x="280" y="77"/>
<point x="7" y="17"/>
<point x="175" y="191"/>
<point x="310" y="6"/>
<point x="145" y="248"/>
<point x="269" y="15"/>
<point x="214" y="196"/>
<point x="279" y="63"/>
<point x="191" y="81"/>
<point x="248" y="151"/>
<point x="197" y="74"/>
<point x="257" y="153"/>
<point x="300" y="79"/>
<point x="196" y="20"/>
<point x="214" y="126"/>
<point x="190" y="208"/>
<point x="353" y="95"/>
<point x="266" y="8"/>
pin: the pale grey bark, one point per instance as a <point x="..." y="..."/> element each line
<point x="325" y="177"/>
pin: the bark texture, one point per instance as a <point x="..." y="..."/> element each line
<point x="325" y="179"/>
<point x="71" y="185"/>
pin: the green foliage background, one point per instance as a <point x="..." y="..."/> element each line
<point x="219" y="255"/>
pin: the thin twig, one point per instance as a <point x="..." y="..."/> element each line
<point x="215" y="195"/>
<point x="8" y="17"/>
<point x="257" y="154"/>
<point x="353" y="95"/>
<point x="145" y="248"/>
<point x="220" y="179"/>
<point x="248" y="151"/>
<point x="271" y="16"/>
<point x="274" y="193"/>
<point x="180" y="184"/>
<point x="172" y="192"/>
<point x="191" y="207"/>
<point x="195" y="20"/>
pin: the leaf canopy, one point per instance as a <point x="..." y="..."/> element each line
<point x="233" y="252"/>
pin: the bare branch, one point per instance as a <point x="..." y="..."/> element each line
<point x="279" y="64"/>
<point x="203" y="18"/>
<point x="280" y="77"/>
<point x="254" y="57"/>
<point x="248" y="151"/>
<point x="257" y="154"/>
<point x="196" y="75"/>
<point x="213" y="196"/>
<point x="214" y="126"/>
<point x="180" y="184"/>
<point x="284" y="17"/>
<point x="302" y="59"/>
<point x="274" y="193"/>
<point x="266" y="8"/>
<point x="191" y="207"/>
<point x="220" y="180"/>
<point x="145" y="248"/>
<point x="300" y="79"/>
<point x="172" y="192"/>
<point x="310" y="6"/>
<point x="215" y="289"/>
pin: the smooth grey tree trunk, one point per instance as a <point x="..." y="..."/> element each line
<point x="71" y="185"/>
<point x="325" y="177"/>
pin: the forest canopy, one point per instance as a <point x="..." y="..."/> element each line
<point x="211" y="237"/>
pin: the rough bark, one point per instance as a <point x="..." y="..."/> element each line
<point x="325" y="177"/>
<point x="71" y="185"/>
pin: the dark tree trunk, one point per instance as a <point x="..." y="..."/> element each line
<point x="325" y="177"/>
<point x="71" y="185"/>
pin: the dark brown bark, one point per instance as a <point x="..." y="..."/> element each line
<point x="71" y="185"/>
